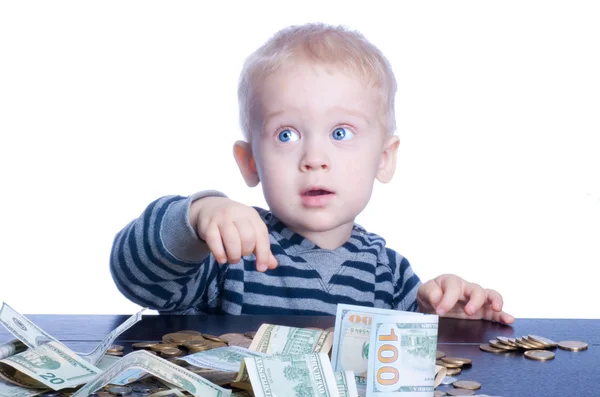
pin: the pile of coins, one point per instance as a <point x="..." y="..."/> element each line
<point x="186" y="342"/>
<point x="454" y="367"/>
<point x="535" y="347"/>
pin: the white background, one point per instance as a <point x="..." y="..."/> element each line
<point x="105" y="106"/>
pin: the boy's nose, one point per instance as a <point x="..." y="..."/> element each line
<point x="314" y="162"/>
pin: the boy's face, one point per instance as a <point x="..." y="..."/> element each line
<point x="321" y="146"/>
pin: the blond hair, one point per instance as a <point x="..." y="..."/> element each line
<point x="322" y="44"/>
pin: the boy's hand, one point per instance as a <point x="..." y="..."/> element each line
<point x="232" y="230"/>
<point x="450" y="296"/>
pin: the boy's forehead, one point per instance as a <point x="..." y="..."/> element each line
<point x="304" y="86"/>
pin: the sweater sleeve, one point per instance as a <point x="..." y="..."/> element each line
<point x="158" y="261"/>
<point x="406" y="286"/>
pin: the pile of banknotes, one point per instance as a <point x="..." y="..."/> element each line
<point x="369" y="352"/>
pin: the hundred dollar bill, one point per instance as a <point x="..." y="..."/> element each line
<point x="351" y="336"/>
<point x="227" y="358"/>
<point x="346" y="384"/>
<point x="9" y="390"/>
<point x="11" y="347"/>
<point x="53" y="365"/>
<point x="95" y="355"/>
<point x="402" y="356"/>
<point x="292" y="375"/>
<point x="277" y="339"/>
<point x="161" y="369"/>
<point x="22" y="328"/>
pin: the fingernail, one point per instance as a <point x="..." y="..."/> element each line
<point x="469" y="309"/>
<point x="262" y="267"/>
<point x="440" y="312"/>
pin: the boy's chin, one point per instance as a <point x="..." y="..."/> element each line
<point x="317" y="222"/>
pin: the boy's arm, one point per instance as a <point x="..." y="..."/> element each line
<point x="407" y="283"/>
<point x="158" y="261"/>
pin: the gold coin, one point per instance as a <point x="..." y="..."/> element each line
<point x="232" y="336"/>
<point x="118" y="354"/>
<point x="448" y="365"/>
<point x="170" y="352"/>
<point x="213" y="338"/>
<point x="572" y="345"/>
<point x="246" y="342"/>
<point x="542" y="340"/>
<point x="467" y="384"/>
<point x="498" y="345"/>
<point x="160" y="346"/>
<point x="458" y="360"/>
<point x="143" y="345"/>
<point x="191" y="332"/>
<point x="116" y="349"/>
<point x="439" y="393"/>
<point x="491" y="349"/>
<point x="250" y="335"/>
<point x="507" y="341"/>
<point x="439" y="355"/>
<point x="524" y="344"/>
<point x="538" y="345"/>
<point x="539" y="355"/>
<point x="460" y="392"/>
<point x="453" y="371"/>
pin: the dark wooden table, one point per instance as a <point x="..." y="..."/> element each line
<point x="507" y="375"/>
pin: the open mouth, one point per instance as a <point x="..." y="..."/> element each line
<point x="316" y="192"/>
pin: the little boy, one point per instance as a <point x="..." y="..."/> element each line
<point x="317" y="111"/>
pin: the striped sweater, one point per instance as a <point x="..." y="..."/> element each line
<point x="158" y="261"/>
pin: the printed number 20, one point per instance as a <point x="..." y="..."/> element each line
<point x="52" y="378"/>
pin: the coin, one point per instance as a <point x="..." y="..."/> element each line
<point x="246" y="342"/>
<point x="448" y="365"/>
<point x="250" y="335"/>
<point x="460" y="392"/>
<point x="198" y="346"/>
<point x="495" y="343"/>
<point x="467" y="384"/>
<point x="542" y="340"/>
<point x="524" y="344"/>
<point x="507" y="341"/>
<point x="490" y="349"/>
<point x="177" y="338"/>
<point x="538" y="345"/>
<point x="160" y="346"/>
<point x="439" y="355"/>
<point x="115" y="349"/>
<point x="141" y="388"/>
<point x="117" y="354"/>
<point x="191" y="332"/>
<point x="457" y="360"/>
<point x="572" y="345"/>
<point x="170" y="352"/>
<point x="232" y="336"/>
<point x="213" y="338"/>
<point x="539" y="355"/>
<point x="143" y="345"/>
<point x="439" y="393"/>
<point x="453" y="371"/>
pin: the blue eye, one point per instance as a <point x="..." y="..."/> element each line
<point x="288" y="135"/>
<point x="340" y="133"/>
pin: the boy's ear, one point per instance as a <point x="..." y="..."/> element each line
<point x="242" y="152"/>
<point x="387" y="163"/>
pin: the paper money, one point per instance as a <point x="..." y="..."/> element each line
<point x="9" y="390"/>
<point x="351" y="336"/>
<point x="277" y="339"/>
<point x="11" y="347"/>
<point x="402" y="356"/>
<point x="53" y="365"/>
<point x="160" y="368"/>
<point x="22" y="328"/>
<point x="292" y="375"/>
<point x="346" y="384"/>
<point x="226" y="358"/>
<point x="95" y="355"/>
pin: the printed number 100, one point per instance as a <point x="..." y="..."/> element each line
<point x="387" y="353"/>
